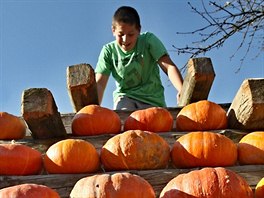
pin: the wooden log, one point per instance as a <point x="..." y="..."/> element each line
<point x="81" y="84"/>
<point x="40" y="112"/>
<point x="247" y="109"/>
<point x="63" y="183"/>
<point x="198" y="81"/>
<point x="99" y="140"/>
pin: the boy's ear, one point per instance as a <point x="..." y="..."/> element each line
<point x="139" y="28"/>
<point x="113" y="30"/>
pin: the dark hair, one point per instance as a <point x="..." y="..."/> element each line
<point x="128" y="15"/>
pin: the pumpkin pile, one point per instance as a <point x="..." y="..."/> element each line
<point x="11" y="127"/>
<point x="117" y="185"/>
<point x="18" y="159"/>
<point x="28" y="191"/>
<point x="201" y="116"/>
<point x="71" y="156"/>
<point x="137" y="147"/>
<point x="201" y="149"/>
<point x="154" y="119"/>
<point x="95" y="120"/>
<point x="208" y="183"/>
<point x="251" y="148"/>
<point x="259" y="190"/>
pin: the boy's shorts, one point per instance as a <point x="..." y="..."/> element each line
<point x="126" y="103"/>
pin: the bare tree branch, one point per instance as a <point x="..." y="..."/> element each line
<point x="245" y="17"/>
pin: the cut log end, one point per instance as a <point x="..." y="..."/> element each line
<point x="247" y="109"/>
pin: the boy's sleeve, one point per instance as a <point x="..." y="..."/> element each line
<point x="103" y="65"/>
<point x="157" y="49"/>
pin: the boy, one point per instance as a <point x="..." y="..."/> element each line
<point x="133" y="60"/>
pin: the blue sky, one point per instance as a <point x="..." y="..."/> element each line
<point x="39" y="39"/>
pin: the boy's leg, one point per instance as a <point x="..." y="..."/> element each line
<point x="125" y="103"/>
<point x="142" y="105"/>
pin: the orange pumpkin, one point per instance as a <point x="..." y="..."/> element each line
<point x="135" y="149"/>
<point x="95" y="120"/>
<point x="200" y="149"/>
<point x="71" y="156"/>
<point x="201" y="116"/>
<point x="118" y="185"/>
<point x="251" y="148"/>
<point x="259" y="190"/>
<point x="28" y="191"/>
<point x="155" y="119"/>
<point x="17" y="159"/>
<point x="11" y="127"/>
<point x="207" y="183"/>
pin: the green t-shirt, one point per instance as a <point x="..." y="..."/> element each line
<point x="136" y="72"/>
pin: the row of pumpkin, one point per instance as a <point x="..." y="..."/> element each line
<point x="133" y="150"/>
<point x="204" y="183"/>
<point x="97" y="120"/>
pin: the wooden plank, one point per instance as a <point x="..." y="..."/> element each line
<point x="99" y="140"/>
<point x="198" y="81"/>
<point x="40" y="112"/>
<point x="247" y="109"/>
<point x="81" y="84"/>
<point x="63" y="183"/>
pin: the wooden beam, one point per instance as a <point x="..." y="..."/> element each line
<point x="40" y="112"/>
<point x="81" y="84"/>
<point x="198" y="81"/>
<point x="247" y="109"/>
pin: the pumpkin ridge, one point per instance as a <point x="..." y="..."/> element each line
<point x="26" y="162"/>
<point x="122" y="151"/>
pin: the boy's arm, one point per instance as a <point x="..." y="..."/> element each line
<point x="172" y="71"/>
<point x="101" y="81"/>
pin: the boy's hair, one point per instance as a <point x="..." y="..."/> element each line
<point x="127" y="15"/>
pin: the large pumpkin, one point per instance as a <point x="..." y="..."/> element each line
<point x="118" y="185"/>
<point x="71" y="156"/>
<point x="28" y="191"/>
<point x="135" y="149"/>
<point x="207" y="183"/>
<point x="201" y="116"/>
<point x="251" y="148"/>
<point x="18" y="159"/>
<point x="155" y="119"/>
<point x="200" y="149"/>
<point x="259" y="190"/>
<point x="95" y="120"/>
<point x="11" y="127"/>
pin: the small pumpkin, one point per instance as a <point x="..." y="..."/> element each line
<point x="117" y="185"/>
<point x="207" y="183"/>
<point x="95" y="120"/>
<point x="18" y="159"/>
<point x="71" y="156"/>
<point x="28" y="191"/>
<point x="11" y="127"/>
<point x="200" y="149"/>
<point x="154" y="119"/>
<point x="201" y="116"/>
<point x="259" y="190"/>
<point x="251" y="148"/>
<point x="135" y="149"/>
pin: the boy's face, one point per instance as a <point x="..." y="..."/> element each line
<point x="126" y="35"/>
